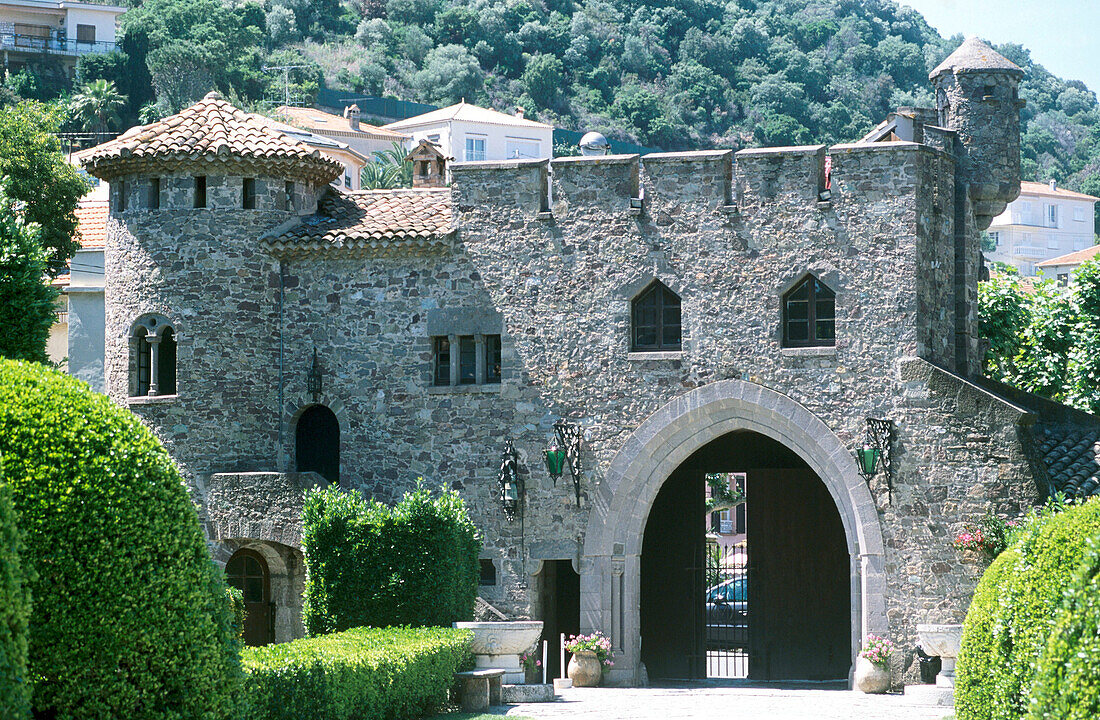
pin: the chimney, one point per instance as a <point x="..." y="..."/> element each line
<point x="1053" y="184"/>
<point x="520" y="112"/>
<point x="353" y="116"/>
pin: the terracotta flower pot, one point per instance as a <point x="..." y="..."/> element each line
<point x="870" y="678"/>
<point x="584" y="669"/>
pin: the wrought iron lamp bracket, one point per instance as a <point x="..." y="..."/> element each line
<point x="511" y="490"/>
<point x="879" y="439"/>
<point x="569" y="436"/>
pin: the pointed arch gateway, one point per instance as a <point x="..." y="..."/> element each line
<point x="621" y="507"/>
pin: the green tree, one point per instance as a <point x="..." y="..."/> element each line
<point x="450" y="74"/>
<point x="26" y="299"/>
<point x="543" y="79"/>
<point x="98" y="105"/>
<point x="389" y="170"/>
<point x="1003" y="315"/>
<point x="37" y="175"/>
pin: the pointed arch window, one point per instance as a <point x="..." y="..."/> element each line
<point x="809" y="314"/>
<point x="153" y="348"/>
<point x="655" y="319"/>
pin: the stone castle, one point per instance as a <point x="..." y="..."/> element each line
<point x="680" y="313"/>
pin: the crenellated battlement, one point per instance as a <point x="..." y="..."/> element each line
<point x="708" y="180"/>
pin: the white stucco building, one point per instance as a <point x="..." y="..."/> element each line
<point x="32" y="29"/>
<point x="469" y="133"/>
<point x="1044" y="222"/>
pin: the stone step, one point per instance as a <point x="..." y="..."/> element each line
<point x="930" y="695"/>
<point x="512" y="694"/>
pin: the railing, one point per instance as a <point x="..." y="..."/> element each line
<point x="73" y="141"/>
<point x="1030" y="251"/>
<point x="52" y="45"/>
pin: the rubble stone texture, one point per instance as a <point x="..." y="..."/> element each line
<point x="550" y="255"/>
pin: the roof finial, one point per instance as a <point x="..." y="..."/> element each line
<point x="213" y="95"/>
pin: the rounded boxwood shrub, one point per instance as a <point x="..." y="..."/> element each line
<point x="15" y="603"/>
<point x="1067" y="684"/>
<point x="1051" y="552"/>
<point x="972" y="688"/>
<point x="131" y="618"/>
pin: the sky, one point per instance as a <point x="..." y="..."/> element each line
<point x="1062" y="35"/>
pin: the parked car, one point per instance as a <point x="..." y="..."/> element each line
<point x="727" y="613"/>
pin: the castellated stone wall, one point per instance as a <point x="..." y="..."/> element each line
<point x="551" y="261"/>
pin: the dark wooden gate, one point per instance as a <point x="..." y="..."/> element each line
<point x="247" y="571"/>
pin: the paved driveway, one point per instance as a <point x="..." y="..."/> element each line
<point x="727" y="703"/>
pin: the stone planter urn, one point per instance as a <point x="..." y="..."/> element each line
<point x="870" y="678"/>
<point x="499" y="644"/>
<point x="944" y="641"/>
<point x="584" y="669"/>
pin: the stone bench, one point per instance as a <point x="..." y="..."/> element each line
<point x="480" y="688"/>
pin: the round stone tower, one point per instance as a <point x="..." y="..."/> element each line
<point x="191" y="298"/>
<point x="977" y="96"/>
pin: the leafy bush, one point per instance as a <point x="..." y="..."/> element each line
<point x="26" y="303"/>
<point x="1067" y="686"/>
<point x="367" y="564"/>
<point x="1047" y="557"/>
<point x="236" y="600"/>
<point x="972" y="687"/>
<point x="15" y="604"/>
<point x="364" y="673"/>
<point x="131" y="617"/>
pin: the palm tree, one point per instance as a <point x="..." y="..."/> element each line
<point x="97" y="105"/>
<point x="389" y="170"/>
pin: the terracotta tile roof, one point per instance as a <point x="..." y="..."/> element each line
<point x="1072" y="459"/>
<point x="1037" y="188"/>
<point x="372" y="222"/>
<point x="1073" y="258"/>
<point x="91" y="218"/>
<point x="211" y="131"/>
<point x="323" y="123"/>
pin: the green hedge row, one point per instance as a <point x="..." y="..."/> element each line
<point x="371" y="565"/>
<point x="131" y="618"/>
<point x="1018" y="605"/>
<point x="360" y="674"/>
<point x="15" y="605"/>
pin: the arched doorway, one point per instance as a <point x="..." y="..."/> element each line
<point x="247" y="571"/>
<point x="621" y="504"/>
<point x="781" y="609"/>
<point x="317" y="443"/>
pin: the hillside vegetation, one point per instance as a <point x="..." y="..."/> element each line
<point x="674" y="74"/>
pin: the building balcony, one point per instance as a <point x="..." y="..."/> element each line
<point x="52" y="45"/>
<point x="1030" y="251"/>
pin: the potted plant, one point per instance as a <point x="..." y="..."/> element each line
<point x="532" y="668"/>
<point x="591" y="659"/>
<point x="873" y="667"/>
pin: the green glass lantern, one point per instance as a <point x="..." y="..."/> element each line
<point x="868" y="460"/>
<point x="555" y="460"/>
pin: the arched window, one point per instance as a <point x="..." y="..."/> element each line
<point x="153" y="344"/>
<point x="809" y="314"/>
<point x="655" y="319"/>
<point x="317" y="443"/>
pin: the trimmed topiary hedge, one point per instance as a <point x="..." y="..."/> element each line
<point x="131" y="618"/>
<point x="1025" y="594"/>
<point x="973" y="691"/>
<point x="1067" y="684"/>
<point x="15" y="605"/>
<point x="370" y="565"/>
<point x="359" y="674"/>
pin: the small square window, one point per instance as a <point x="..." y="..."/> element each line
<point x="85" y="34"/>
<point x="488" y="574"/>
<point x="249" y="193"/>
<point x="200" y="191"/>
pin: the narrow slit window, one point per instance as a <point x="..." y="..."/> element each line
<point x="442" y="361"/>
<point x="154" y="194"/>
<point x="249" y="193"/>
<point x="200" y="191"/>
<point x="809" y="314"/>
<point x="144" y="362"/>
<point x="492" y="358"/>
<point x="467" y="360"/>
<point x="288" y="196"/>
<point x="121" y="204"/>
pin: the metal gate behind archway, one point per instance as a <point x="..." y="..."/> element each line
<point x="723" y="649"/>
